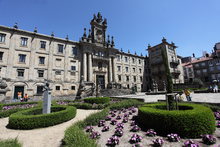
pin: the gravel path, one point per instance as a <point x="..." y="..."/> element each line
<point x="43" y="137"/>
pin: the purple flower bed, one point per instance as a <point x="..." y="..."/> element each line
<point x="125" y="120"/>
<point x="62" y="102"/>
<point x="158" y="142"/>
<point x="112" y="141"/>
<point x="89" y="128"/>
<point x="101" y="123"/>
<point x="217" y="115"/>
<point x="113" y="122"/>
<point x="151" y="133"/>
<point x="208" y="139"/>
<point x="173" y="137"/>
<point x="190" y="143"/>
<point x="118" y="117"/>
<point x="135" y="138"/>
<point x="95" y="135"/>
<point x="118" y="132"/>
<point x="24" y="106"/>
<point x="108" y="118"/>
<point x="133" y="123"/>
<point x="120" y="126"/>
<point x="105" y="128"/>
<point x="135" y="128"/>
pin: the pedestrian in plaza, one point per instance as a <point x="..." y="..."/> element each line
<point x="210" y="88"/>
<point x="187" y="93"/>
<point x="20" y="96"/>
<point x="215" y="88"/>
<point x="26" y="97"/>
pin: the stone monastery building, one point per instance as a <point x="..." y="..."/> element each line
<point x="28" y="59"/>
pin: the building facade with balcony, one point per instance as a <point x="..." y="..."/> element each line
<point x="27" y="59"/>
<point x="157" y="67"/>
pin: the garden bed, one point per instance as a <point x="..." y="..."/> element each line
<point x="8" y="109"/>
<point x="33" y="118"/>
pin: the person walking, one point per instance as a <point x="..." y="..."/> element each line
<point x="215" y="88"/>
<point x="187" y="93"/>
<point x="26" y="97"/>
<point x="19" y="96"/>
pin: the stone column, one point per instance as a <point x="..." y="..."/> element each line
<point x="90" y="73"/>
<point x="110" y="70"/>
<point x="113" y="70"/>
<point x="85" y="66"/>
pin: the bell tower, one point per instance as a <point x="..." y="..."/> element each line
<point x="98" y="29"/>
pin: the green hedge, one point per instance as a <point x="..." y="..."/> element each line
<point x="7" y="113"/>
<point x="10" y="143"/>
<point x="75" y="135"/>
<point x="97" y="100"/>
<point x="126" y="104"/>
<point x="191" y="123"/>
<point x="88" y="105"/>
<point x="33" y="118"/>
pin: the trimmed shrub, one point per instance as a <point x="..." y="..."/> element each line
<point x="33" y="118"/>
<point x="126" y="104"/>
<point x="6" y="113"/>
<point x="97" y="100"/>
<point x="89" y="106"/>
<point x="191" y="122"/>
<point x="10" y="143"/>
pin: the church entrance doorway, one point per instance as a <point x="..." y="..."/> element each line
<point x="100" y="79"/>
<point x="18" y="89"/>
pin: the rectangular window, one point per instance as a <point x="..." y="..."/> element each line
<point x="40" y="90"/>
<point x="133" y="60"/>
<point x="2" y="37"/>
<point x="60" y="48"/>
<point x="43" y="44"/>
<point x="133" y="69"/>
<point x="58" y="72"/>
<point x="126" y="59"/>
<point x="126" y="69"/>
<point x="1" y="55"/>
<point x="73" y="68"/>
<point x="127" y="78"/>
<point x="74" y="51"/>
<point x="73" y="88"/>
<point x="57" y="87"/>
<point x="140" y="71"/>
<point x="24" y="41"/>
<point x="40" y="73"/>
<point x="141" y="78"/>
<point x="139" y="61"/>
<point x="134" y="78"/>
<point x="119" y="78"/>
<point x="41" y="60"/>
<point x="119" y="68"/>
<point x="22" y="58"/>
<point x="20" y="72"/>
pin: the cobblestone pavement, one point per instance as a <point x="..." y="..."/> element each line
<point x="196" y="97"/>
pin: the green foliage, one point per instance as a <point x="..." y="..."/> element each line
<point x="33" y="118"/>
<point x="192" y="121"/>
<point x="76" y="137"/>
<point x="10" y="143"/>
<point x="126" y="104"/>
<point x="7" y="113"/>
<point x="97" y="100"/>
<point x="88" y="105"/>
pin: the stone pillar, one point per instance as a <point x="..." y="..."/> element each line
<point x="47" y="99"/>
<point x="85" y="66"/>
<point x="113" y="70"/>
<point x="90" y="73"/>
<point x="110" y="70"/>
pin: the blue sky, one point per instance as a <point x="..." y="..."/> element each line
<point x="192" y="24"/>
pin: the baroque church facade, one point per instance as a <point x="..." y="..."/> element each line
<point x="28" y="59"/>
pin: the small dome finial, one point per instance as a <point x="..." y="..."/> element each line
<point x="84" y="34"/>
<point x="35" y="30"/>
<point x="52" y="34"/>
<point x="67" y="37"/>
<point x="164" y="40"/>
<point x="16" y="25"/>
